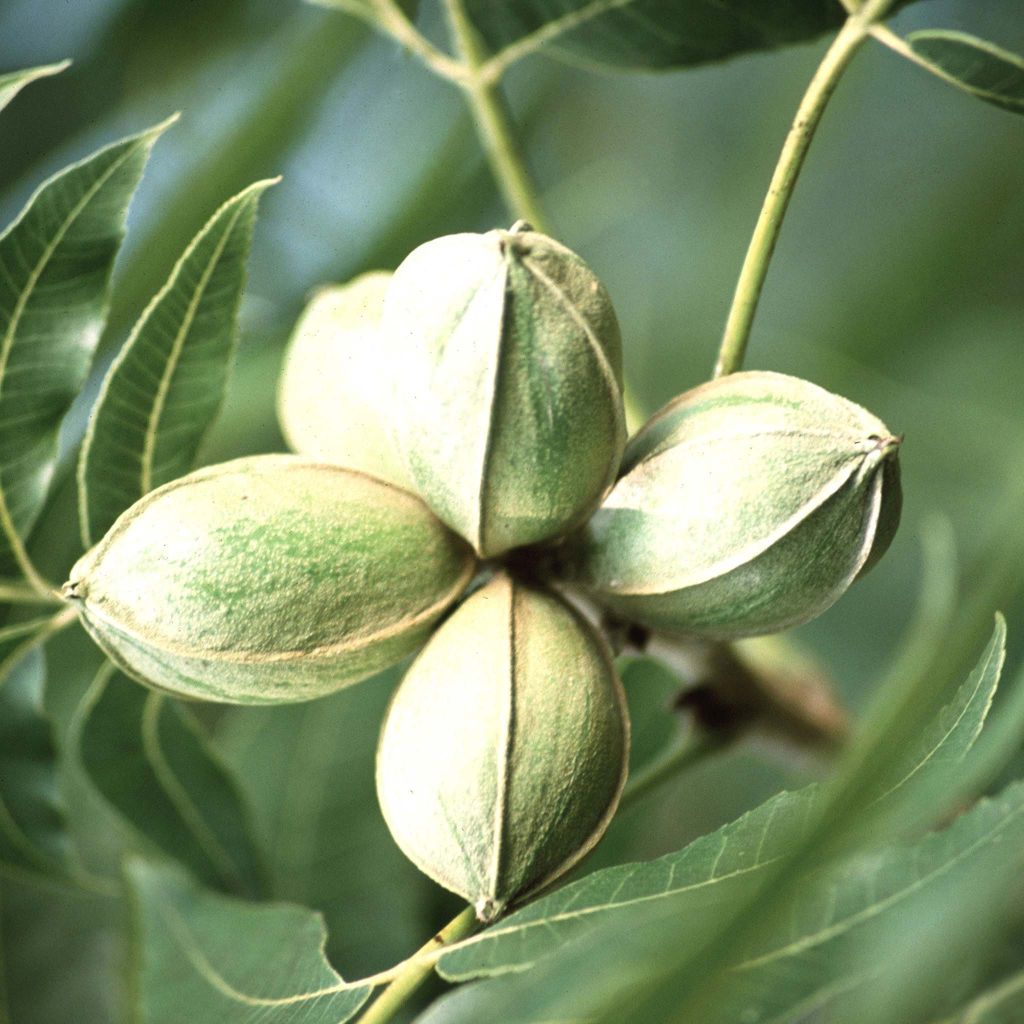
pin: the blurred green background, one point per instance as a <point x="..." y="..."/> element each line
<point x="898" y="282"/>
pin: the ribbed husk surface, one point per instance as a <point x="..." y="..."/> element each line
<point x="505" y="748"/>
<point x="268" y="579"/>
<point x="508" y="405"/>
<point x="745" y="506"/>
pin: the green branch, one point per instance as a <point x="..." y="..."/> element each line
<point x="494" y="125"/>
<point x="415" y="971"/>
<point x="18" y="592"/>
<point x="769" y="223"/>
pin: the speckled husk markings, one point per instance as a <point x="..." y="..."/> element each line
<point x="268" y="579"/>
<point x="505" y="748"/>
<point x="745" y="506"/>
<point x="508" y="404"/>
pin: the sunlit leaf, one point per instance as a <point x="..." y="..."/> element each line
<point x="211" y="959"/>
<point x="32" y="832"/>
<point x="1002" y="738"/>
<point x="713" y="870"/>
<point x="14" y="81"/>
<point x="821" y="951"/>
<point x="934" y="764"/>
<point x="150" y="759"/>
<point x="975" y="65"/>
<point x="55" y="264"/>
<point x="166" y="386"/>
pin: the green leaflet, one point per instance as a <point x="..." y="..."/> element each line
<point x="55" y="946"/>
<point x="307" y="771"/>
<point x="723" y="867"/>
<point x="166" y="386"/>
<point x="649" y="33"/>
<point x="14" y="81"/>
<point x="714" y="868"/>
<point x="151" y="761"/>
<point x="831" y="944"/>
<point x="1002" y="1004"/>
<point x="949" y="738"/>
<point x="974" y="65"/>
<point x="16" y="640"/>
<point x="32" y="832"/>
<point x="818" y="954"/>
<point x="206" y="957"/>
<point x="55" y="263"/>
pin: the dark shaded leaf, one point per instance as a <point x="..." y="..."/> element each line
<point x="59" y="948"/>
<point x="650" y="33"/>
<point x="32" y="832"/>
<point x="975" y="65"/>
<point x="203" y="958"/>
<point x="151" y="760"/>
<point x="1002" y="1004"/>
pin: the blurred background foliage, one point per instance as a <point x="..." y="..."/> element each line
<point x="898" y="282"/>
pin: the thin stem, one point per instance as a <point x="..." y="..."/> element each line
<point x="683" y="756"/>
<point x="766" y="233"/>
<point x="390" y="18"/>
<point x="16" y="592"/>
<point x="43" y="630"/>
<point x="54" y="625"/>
<point x="493" y="123"/>
<point x="417" y="969"/>
<point x="35" y="580"/>
<point x="481" y="85"/>
<point x="899" y="45"/>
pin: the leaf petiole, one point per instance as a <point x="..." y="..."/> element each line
<point x="411" y="974"/>
<point x="18" y="592"/>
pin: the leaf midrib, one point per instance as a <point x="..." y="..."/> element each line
<point x="177" y="347"/>
<point x="7" y="345"/>
<point x="846" y="924"/>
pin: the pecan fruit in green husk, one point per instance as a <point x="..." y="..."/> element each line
<point x="504" y="750"/>
<point x="334" y="399"/>
<point x="268" y="579"/>
<point x="508" y="404"/>
<point x="745" y="506"/>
